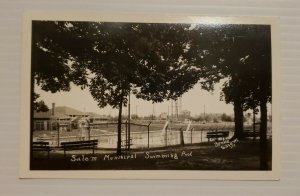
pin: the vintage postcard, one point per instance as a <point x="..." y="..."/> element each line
<point x="124" y="96"/>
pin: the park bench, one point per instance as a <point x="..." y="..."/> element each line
<point x="41" y="146"/>
<point x="79" y="145"/>
<point x="249" y="133"/>
<point x="217" y="134"/>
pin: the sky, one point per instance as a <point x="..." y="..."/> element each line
<point x="195" y="100"/>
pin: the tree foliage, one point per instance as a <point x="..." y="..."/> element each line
<point x="155" y="62"/>
<point x="114" y="60"/>
<point x="39" y="106"/>
<point x="240" y="54"/>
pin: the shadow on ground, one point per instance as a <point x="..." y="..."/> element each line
<point x="204" y="156"/>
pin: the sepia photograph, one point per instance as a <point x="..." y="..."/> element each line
<point x="159" y="96"/>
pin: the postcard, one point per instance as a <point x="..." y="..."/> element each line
<point x="137" y="96"/>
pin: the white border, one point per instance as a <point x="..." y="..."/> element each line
<point x="25" y="172"/>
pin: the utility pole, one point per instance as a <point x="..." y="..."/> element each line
<point x="57" y="134"/>
<point x="136" y="109"/>
<point x="171" y="109"/>
<point x="89" y="129"/>
<point x="180" y="105"/>
<point x="152" y="111"/>
<point x="128" y="141"/>
<point x="168" y="116"/>
<point x="176" y="109"/>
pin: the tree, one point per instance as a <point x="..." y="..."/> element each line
<point x="217" y="54"/>
<point x="226" y="118"/>
<point x="261" y="88"/>
<point x="39" y="106"/>
<point x="135" y="116"/>
<point x="241" y="54"/>
<point x="49" y="60"/>
<point x="255" y="80"/>
<point x="147" y="62"/>
<point x="114" y="60"/>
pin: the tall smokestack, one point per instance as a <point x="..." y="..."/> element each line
<point x="53" y="108"/>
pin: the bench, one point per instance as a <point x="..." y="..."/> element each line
<point x="41" y="146"/>
<point x="78" y="145"/>
<point x="249" y="134"/>
<point x="217" y="134"/>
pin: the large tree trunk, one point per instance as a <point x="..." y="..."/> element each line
<point x="119" y="149"/>
<point x="238" y="120"/>
<point x="263" y="135"/>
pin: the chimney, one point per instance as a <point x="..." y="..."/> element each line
<point x="53" y="109"/>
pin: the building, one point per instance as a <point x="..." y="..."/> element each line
<point x="73" y="113"/>
<point x="185" y="114"/>
<point x="51" y="120"/>
<point x="96" y="118"/>
<point x="163" y="116"/>
<point x="66" y="118"/>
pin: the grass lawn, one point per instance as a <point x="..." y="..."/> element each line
<point x="204" y="156"/>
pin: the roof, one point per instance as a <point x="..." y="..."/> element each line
<point x="42" y="114"/>
<point x="48" y="115"/>
<point x="64" y="112"/>
<point x="75" y="119"/>
<point x="95" y="115"/>
<point x="68" y="111"/>
<point x="61" y="116"/>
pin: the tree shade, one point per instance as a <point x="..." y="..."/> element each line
<point x="114" y="60"/>
<point x="156" y="62"/>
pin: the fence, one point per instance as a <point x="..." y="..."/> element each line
<point x="138" y="135"/>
